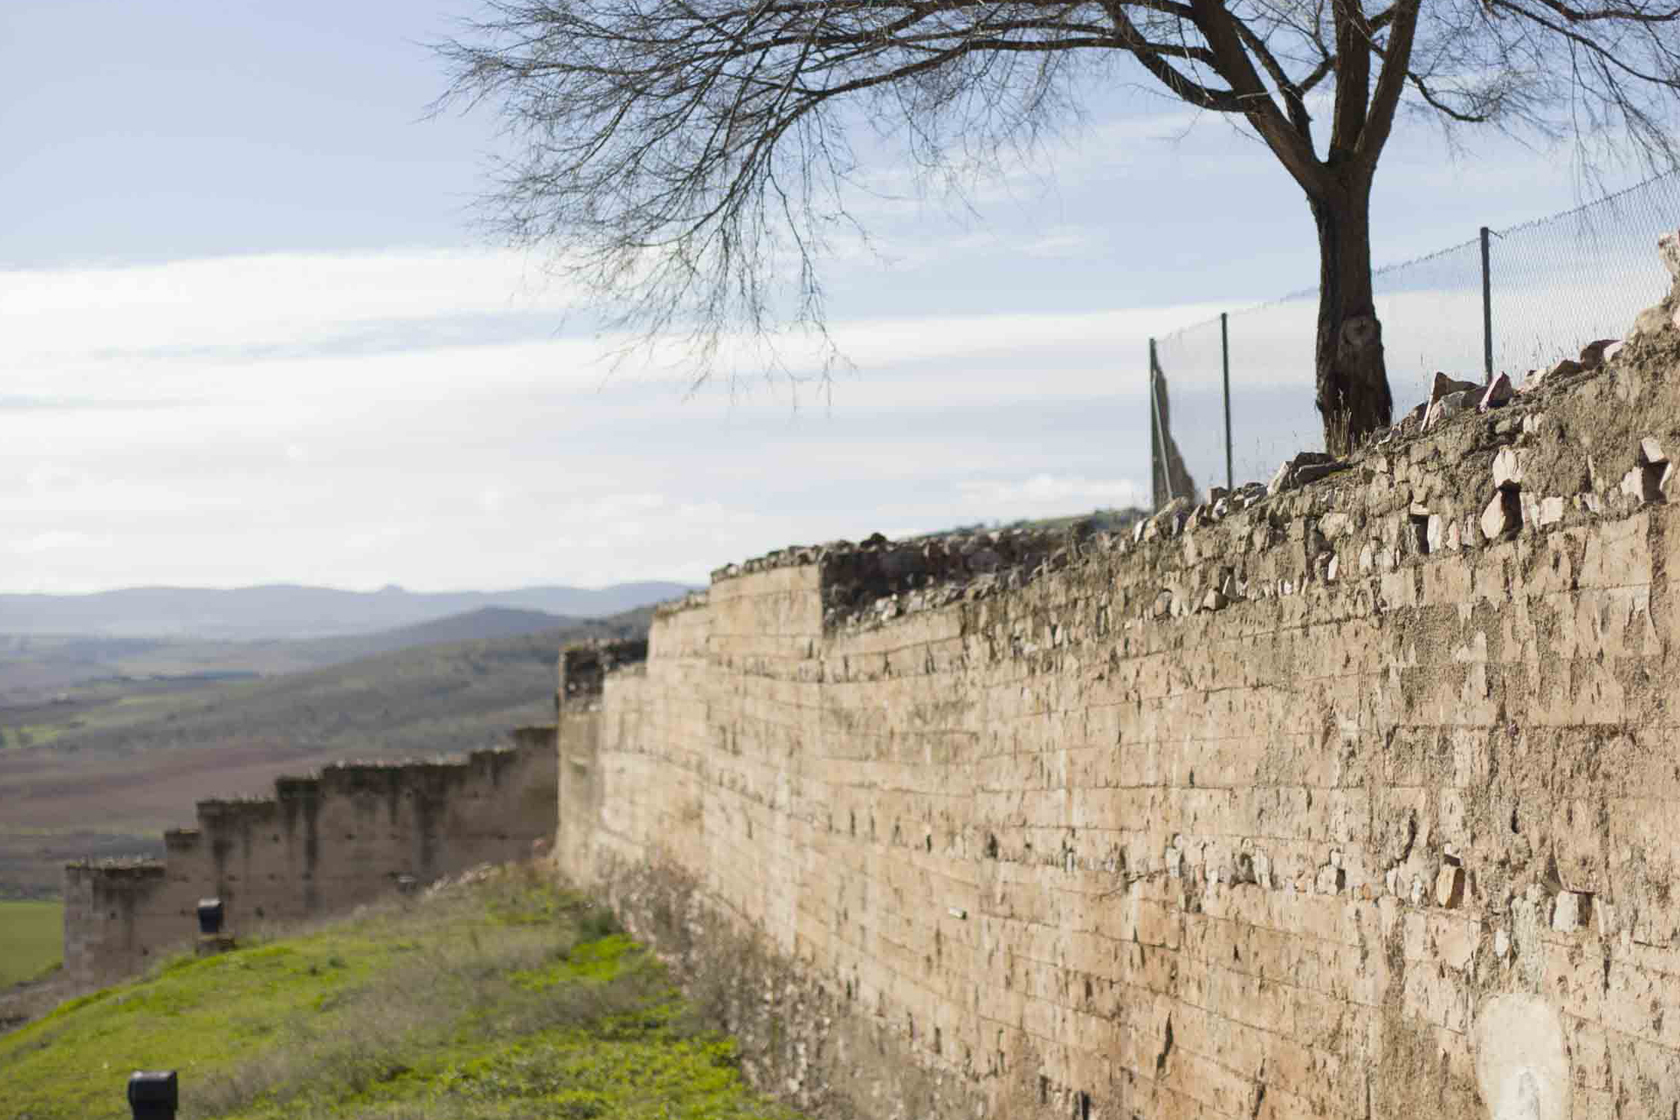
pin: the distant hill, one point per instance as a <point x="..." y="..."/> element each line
<point x="478" y="625"/>
<point x="485" y="622"/>
<point x="293" y="611"/>
<point x="415" y="698"/>
<point x="104" y="767"/>
<point x="36" y="667"/>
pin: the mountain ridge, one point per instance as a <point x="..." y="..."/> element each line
<point x="296" y="611"/>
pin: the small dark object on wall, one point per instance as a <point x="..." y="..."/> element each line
<point x="209" y="915"/>
<point x="152" y="1095"/>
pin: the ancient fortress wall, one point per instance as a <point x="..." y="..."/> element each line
<point x="1356" y="799"/>
<point x="320" y="845"/>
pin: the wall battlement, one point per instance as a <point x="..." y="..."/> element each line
<point x="1277" y="806"/>
<point x="322" y="844"/>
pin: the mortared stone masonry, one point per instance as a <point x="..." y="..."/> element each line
<point x="1358" y="797"/>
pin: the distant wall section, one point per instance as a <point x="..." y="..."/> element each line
<point x="320" y="845"/>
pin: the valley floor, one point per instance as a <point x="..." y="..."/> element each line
<point x="31" y="940"/>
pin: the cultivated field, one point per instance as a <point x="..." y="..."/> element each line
<point x="31" y="939"/>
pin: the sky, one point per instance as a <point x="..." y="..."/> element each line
<point x="249" y="332"/>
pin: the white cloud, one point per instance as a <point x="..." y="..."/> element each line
<point x="1046" y="494"/>
<point x="60" y="540"/>
<point x="502" y="455"/>
<point x="521" y="459"/>
<point x="251" y="302"/>
<point x="204" y="334"/>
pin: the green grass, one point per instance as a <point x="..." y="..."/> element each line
<point x="506" y="999"/>
<point x="31" y="940"/>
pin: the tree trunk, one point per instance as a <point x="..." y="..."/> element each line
<point x="1353" y="396"/>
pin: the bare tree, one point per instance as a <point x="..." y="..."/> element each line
<point x="691" y="157"/>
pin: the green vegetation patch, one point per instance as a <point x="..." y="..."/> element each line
<point x="31" y="940"/>
<point x="507" y="998"/>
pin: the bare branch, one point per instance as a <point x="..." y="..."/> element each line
<point x="1201" y="96"/>
<point x="1435" y="102"/>
<point x="1294" y="151"/>
<point x="1625" y="14"/>
<point x="1292" y="94"/>
<point x="690" y="160"/>
<point x="1391" y="82"/>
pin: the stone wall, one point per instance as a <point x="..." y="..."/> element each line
<point x="320" y="845"/>
<point x="1345" y="799"/>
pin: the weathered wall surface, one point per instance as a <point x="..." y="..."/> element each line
<point x="1354" y="800"/>
<point x="321" y="845"/>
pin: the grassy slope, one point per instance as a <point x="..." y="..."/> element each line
<point x="31" y="939"/>
<point x="506" y="998"/>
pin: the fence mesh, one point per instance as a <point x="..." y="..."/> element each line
<point x="1189" y="361"/>
<point x="1431" y="314"/>
<point x="1560" y="282"/>
<point x="1556" y="284"/>
<point x="1272" y="417"/>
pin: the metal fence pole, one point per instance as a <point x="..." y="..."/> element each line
<point x="1154" y="437"/>
<point x="1225" y="365"/>
<point x="1487" y="311"/>
<point x="1160" y="476"/>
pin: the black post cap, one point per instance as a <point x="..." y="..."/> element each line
<point x="209" y="915"/>
<point x="152" y="1095"/>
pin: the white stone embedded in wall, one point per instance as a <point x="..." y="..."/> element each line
<point x="1522" y="1067"/>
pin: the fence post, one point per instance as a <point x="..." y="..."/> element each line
<point x="1225" y="365"/>
<point x="1161" y="480"/>
<point x="1487" y="311"/>
<point x="1154" y="435"/>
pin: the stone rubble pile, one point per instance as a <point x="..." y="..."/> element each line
<point x="877" y="579"/>
<point x="1305" y="467"/>
<point x="880" y="579"/>
<point x="1450" y="397"/>
<point x="872" y="581"/>
<point x="585" y="666"/>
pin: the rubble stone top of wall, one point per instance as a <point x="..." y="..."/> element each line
<point x="353" y="775"/>
<point x="1588" y="438"/>
<point x="121" y="867"/>
<point x="688" y="601"/>
<point x="867" y="578"/>
<point x="584" y="666"/>
<point x="452" y="759"/>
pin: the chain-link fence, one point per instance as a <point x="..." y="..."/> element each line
<point x="1550" y="286"/>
